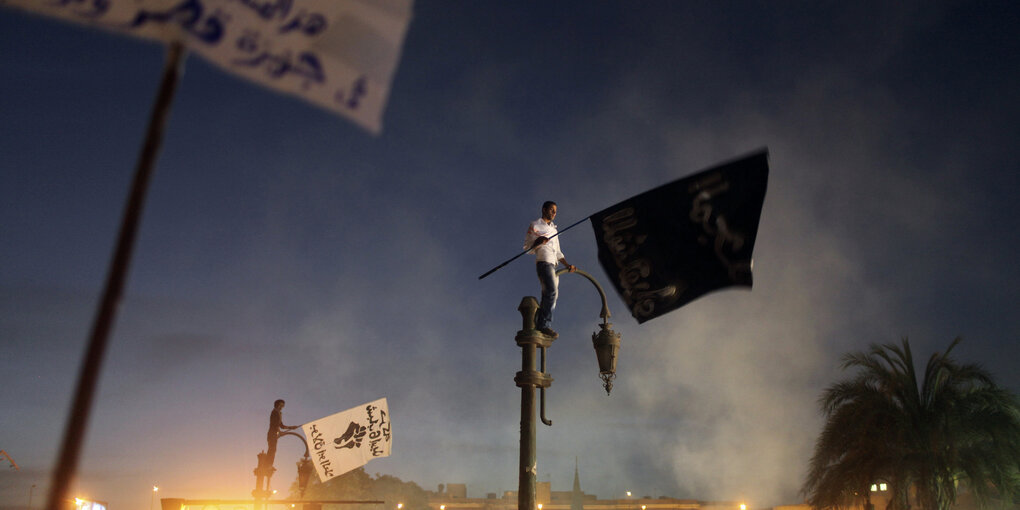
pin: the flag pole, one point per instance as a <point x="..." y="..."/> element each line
<point x="515" y="257"/>
<point x="88" y="378"/>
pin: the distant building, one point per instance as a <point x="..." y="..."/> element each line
<point x="454" y="497"/>
<point x="566" y="500"/>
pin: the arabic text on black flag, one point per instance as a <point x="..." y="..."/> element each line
<point x="668" y="246"/>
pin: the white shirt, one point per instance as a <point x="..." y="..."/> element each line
<point x="548" y="252"/>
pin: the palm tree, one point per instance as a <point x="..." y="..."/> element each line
<point x="924" y="439"/>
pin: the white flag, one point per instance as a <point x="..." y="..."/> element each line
<point x="349" y="439"/>
<point x="338" y="54"/>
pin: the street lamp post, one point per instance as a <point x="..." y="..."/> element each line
<point x="606" y="343"/>
<point x="264" y="471"/>
<point x="152" y="495"/>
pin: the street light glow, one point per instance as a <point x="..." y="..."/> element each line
<point x="743" y="506"/>
<point x="628" y="494"/>
<point x="400" y="505"/>
<point x="152" y="495"/>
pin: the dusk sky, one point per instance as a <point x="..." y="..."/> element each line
<point x="286" y="253"/>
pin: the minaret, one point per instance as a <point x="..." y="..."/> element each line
<point x="577" y="498"/>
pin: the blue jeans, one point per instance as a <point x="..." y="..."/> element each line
<point x="547" y="277"/>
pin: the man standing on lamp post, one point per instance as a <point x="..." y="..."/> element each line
<point x="275" y="427"/>
<point x="543" y="242"/>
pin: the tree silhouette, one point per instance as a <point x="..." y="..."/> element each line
<point x="925" y="439"/>
<point x="359" y="485"/>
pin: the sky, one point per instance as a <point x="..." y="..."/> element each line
<point x="286" y="253"/>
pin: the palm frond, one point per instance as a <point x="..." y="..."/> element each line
<point x="924" y="438"/>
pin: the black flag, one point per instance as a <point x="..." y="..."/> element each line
<point x="671" y="245"/>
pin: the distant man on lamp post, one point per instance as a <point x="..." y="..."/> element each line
<point x="275" y="427"/>
<point x="540" y="240"/>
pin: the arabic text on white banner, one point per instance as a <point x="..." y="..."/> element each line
<point x="349" y="439"/>
<point x="338" y="54"/>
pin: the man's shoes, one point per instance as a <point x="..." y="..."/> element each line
<point x="549" y="333"/>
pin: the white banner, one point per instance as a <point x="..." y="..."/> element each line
<point x="349" y="439"/>
<point x="338" y="54"/>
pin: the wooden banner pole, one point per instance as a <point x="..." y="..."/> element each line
<point x="88" y="378"/>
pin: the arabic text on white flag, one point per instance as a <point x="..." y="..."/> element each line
<point x="349" y="439"/>
<point x="338" y="54"/>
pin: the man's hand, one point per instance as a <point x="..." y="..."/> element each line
<point x="571" y="268"/>
<point x="539" y="242"/>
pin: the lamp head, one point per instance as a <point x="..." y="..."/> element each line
<point x="304" y="473"/>
<point x="607" y="345"/>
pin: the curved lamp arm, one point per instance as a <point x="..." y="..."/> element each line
<point x="304" y="466"/>
<point x="606" y="341"/>
<point x="299" y="436"/>
<point x="605" y="306"/>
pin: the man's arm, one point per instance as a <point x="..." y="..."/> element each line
<point x="533" y="239"/>
<point x="529" y="238"/>
<point x="286" y="427"/>
<point x="563" y="259"/>
<point x="567" y="264"/>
